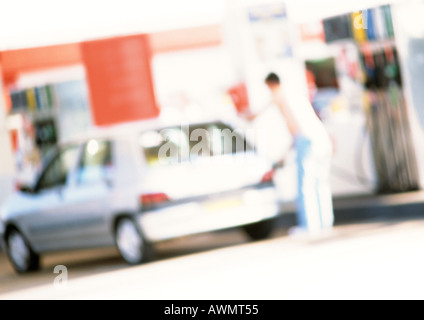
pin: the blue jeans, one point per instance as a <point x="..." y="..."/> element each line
<point x="314" y="200"/>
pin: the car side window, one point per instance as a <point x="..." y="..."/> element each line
<point x="220" y="139"/>
<point x="56" y="173"/>
<point x="230" y="141"/>
<point x="96" y="162"/>
<point x="169" y="146"/>
<point x="176" y="145"/>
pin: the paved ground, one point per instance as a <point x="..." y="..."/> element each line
<point x="373" y="260"/>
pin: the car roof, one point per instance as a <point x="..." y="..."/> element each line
<point x="129" y="129"/>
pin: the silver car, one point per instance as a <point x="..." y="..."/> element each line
<point x="137" y="185"/>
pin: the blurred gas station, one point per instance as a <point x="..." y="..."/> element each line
<point x="66" y="70"/>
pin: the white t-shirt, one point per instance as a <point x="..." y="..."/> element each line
<point x="305" y="119"/>
<point x="272" y="136"/>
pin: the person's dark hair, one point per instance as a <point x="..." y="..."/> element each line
<point x="272" y="78"/>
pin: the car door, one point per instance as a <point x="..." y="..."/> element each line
<point x="89" y="196"/>
<point x="47" y="221"/>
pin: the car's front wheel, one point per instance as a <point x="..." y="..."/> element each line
<point x="20" y="253"/>
<point x="130" y="242"/>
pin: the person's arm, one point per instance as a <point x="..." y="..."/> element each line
<point x="292" y="126"/>
<point x="291" y="122"/>
<point x="282" y="162"/>
<point x="250" y="116"/>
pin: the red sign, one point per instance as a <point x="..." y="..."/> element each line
<point x="312" y="32"/>
<point x="240" y="97"/>
<point x="120" y="79"/>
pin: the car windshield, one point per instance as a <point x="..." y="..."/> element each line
<point x="181" y="144"/>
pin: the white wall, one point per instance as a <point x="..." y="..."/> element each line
<point x="196" y="80"/>
<point x="45" y="22"/>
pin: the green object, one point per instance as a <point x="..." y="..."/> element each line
<point x="394" y="94"/>
<point x="49" y="95"/>
<point x="391" y="71"/>
<point x="389" y="21"/>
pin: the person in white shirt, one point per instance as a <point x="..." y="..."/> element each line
<point x="314" y="151"/>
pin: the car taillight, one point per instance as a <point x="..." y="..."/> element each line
<point x="268" y="177"/>
<point x="153" y="199"/>
<point x="18" y="186"/>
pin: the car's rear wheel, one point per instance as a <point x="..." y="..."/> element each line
<point x="260" y="230"/>
<point x="131" y="244"/>
<point x="20" y="253"/>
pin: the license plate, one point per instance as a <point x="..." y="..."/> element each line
<point x="221" y="205"/>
